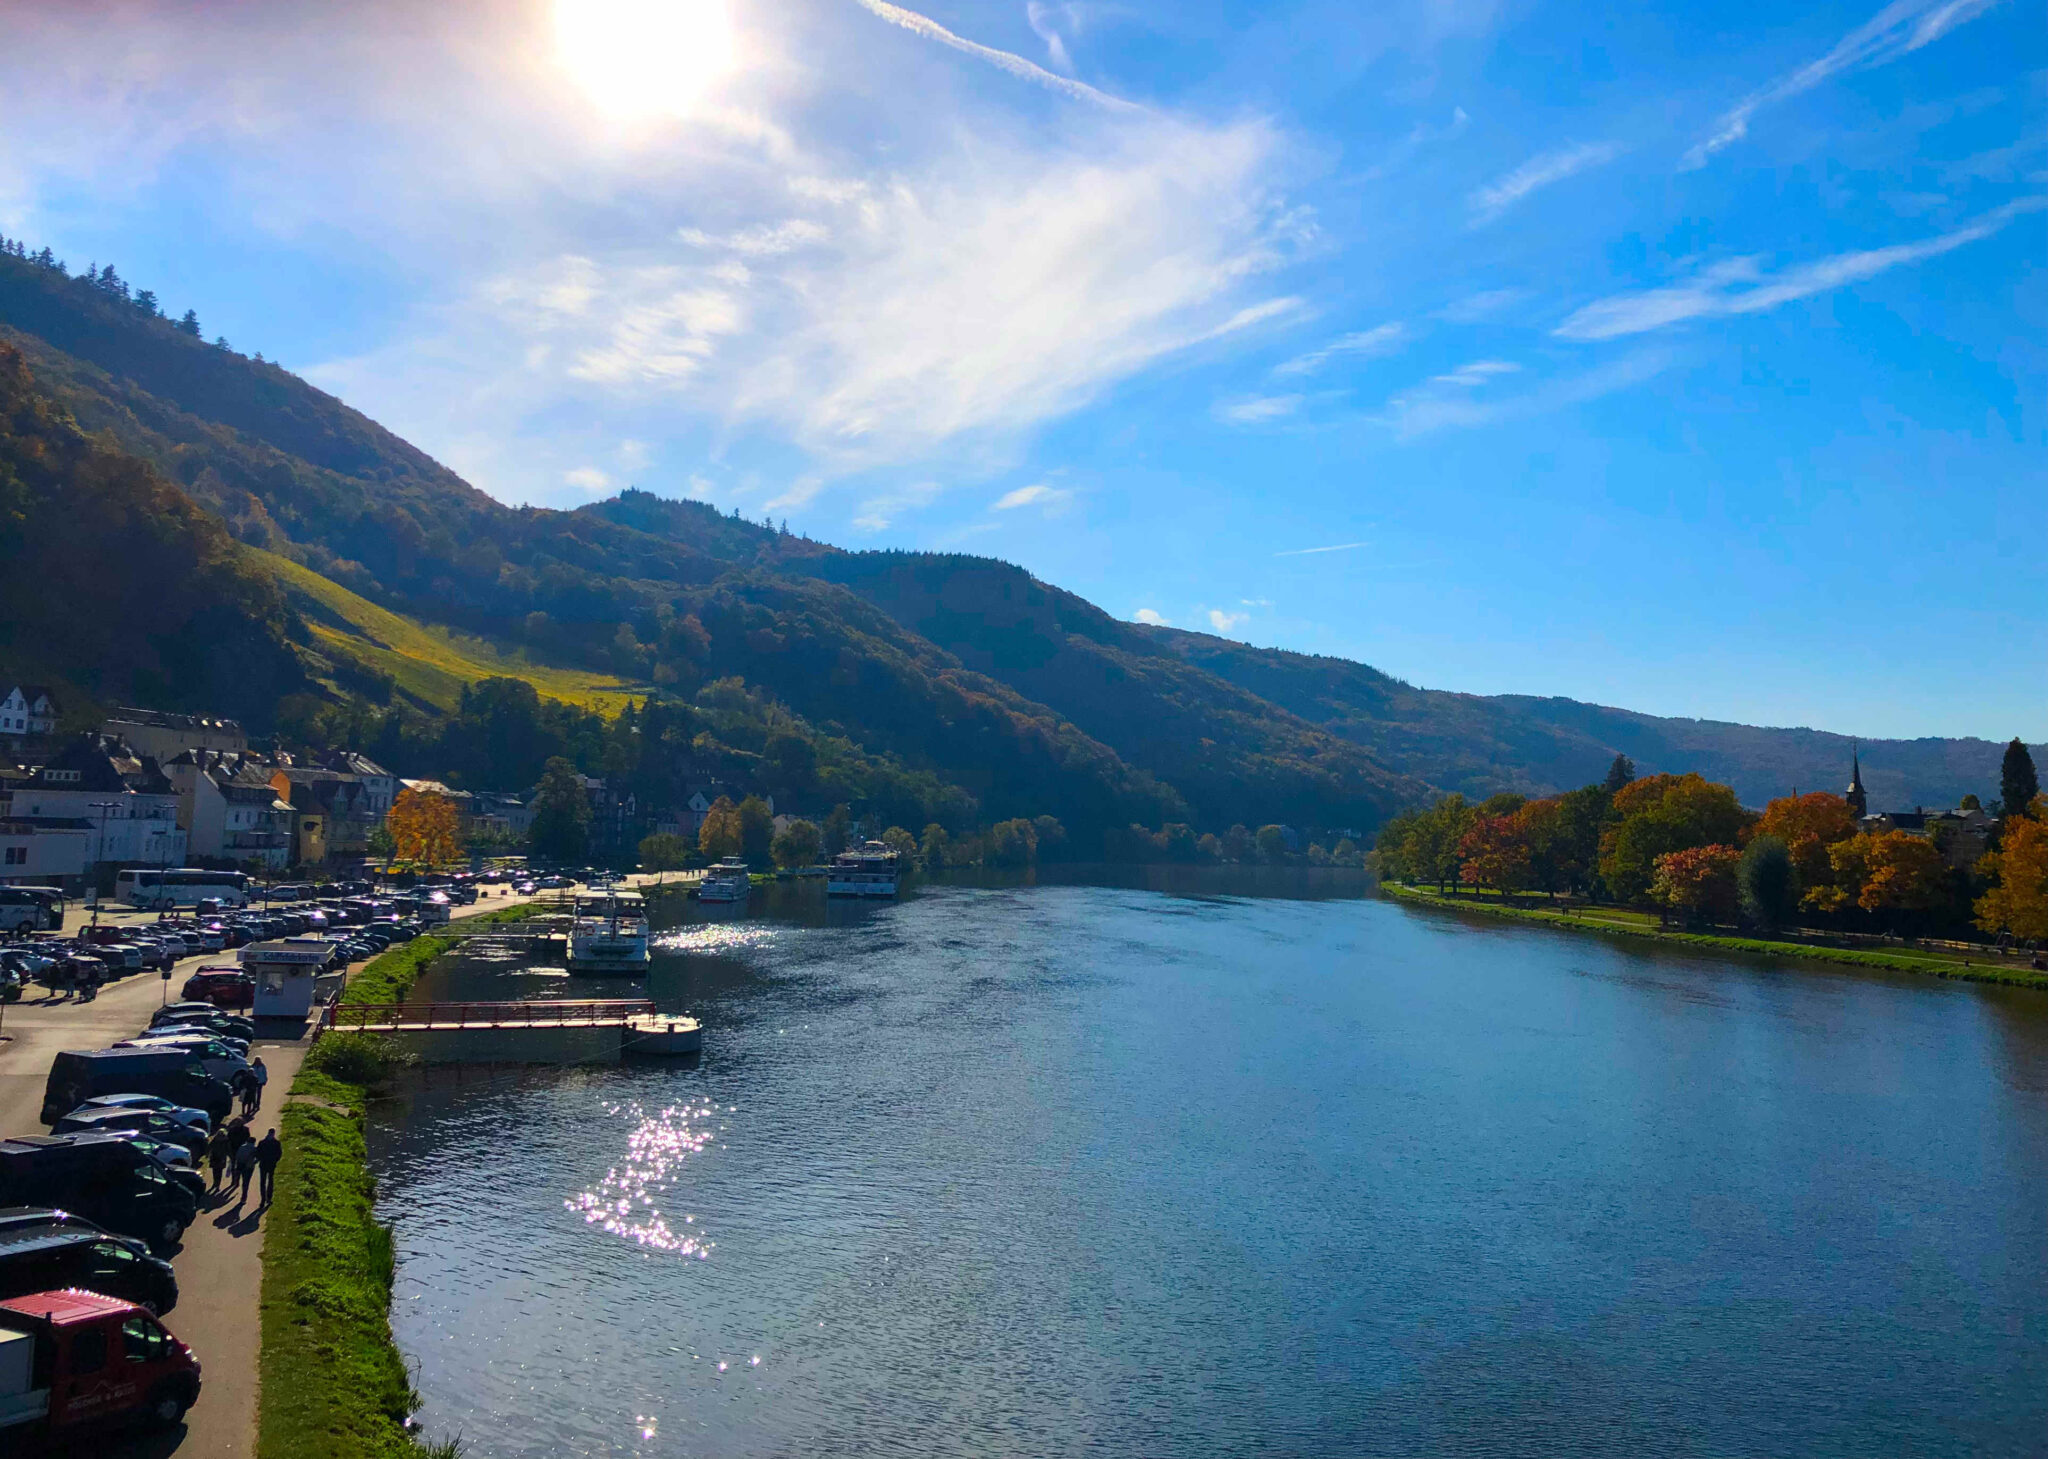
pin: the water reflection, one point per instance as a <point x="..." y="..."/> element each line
<point x="626" y="1202"/>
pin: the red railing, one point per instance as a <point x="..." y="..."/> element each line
<point x="532" y="1013"/>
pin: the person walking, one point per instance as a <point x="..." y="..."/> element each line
<point x="245" y="1169"/>
<point x="217" y="1154"/>
<point x="240" y="1083"/>
<point x="269" y="1150"/>
<point x="262" y="1081"/>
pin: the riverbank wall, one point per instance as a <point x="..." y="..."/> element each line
<point x="333" y="1384"/>
<point x="1989" y="971"/>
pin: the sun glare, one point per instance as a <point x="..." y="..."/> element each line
<point x="644" y="57"/>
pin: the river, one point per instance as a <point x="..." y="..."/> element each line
<point x="1180" y="1172"/>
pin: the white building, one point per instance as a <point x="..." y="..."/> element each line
<point x="40" y="853"/>
<point x="231" y="810"/>
<point x="129" y="808"/>
<point x="162" y="737"/>
<point x="28" y="709"/>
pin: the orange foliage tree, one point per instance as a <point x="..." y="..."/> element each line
<point x="1494" y="853"/>
<point x="1894" y="871"/>
<point x="1809" y="825"/>
<point x="2018" y="900"/>
<point x="1697" y="883"/>
<point x="424" y="827"/>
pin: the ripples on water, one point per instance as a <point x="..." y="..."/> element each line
<point x="1096" y="1169"/>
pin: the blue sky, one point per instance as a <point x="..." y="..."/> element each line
<point x="1688" y="358"/>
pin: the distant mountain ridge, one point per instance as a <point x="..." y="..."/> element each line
<point x="1028" y="697"/>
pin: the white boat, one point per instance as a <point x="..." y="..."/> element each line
<point x="868" y="870"/>
<point x="609" y="934"/>
<point x="725" y="881"/>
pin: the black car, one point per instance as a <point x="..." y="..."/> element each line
<point x="77" y="1075"/>
<point x="153" y="1123"/>
<point x="103" y="1178"/>
<point x="53" y="1254"/>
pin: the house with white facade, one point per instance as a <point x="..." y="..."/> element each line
<point x="230" y="809"/>
<point x="43" y="853"/>
<point x="28" y="709"/>
<point x="128" y="805"/>
<point x="164" y="736"/>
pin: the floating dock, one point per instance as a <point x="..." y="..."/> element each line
<point x="537" y="1031"/>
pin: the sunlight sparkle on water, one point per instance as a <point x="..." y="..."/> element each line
<point x="626" y="1202"/>
<point x="714" y="937"/>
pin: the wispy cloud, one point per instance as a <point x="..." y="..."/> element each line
<point x="1016" y="65"/>
<point x="879" y="513"/>
<point x="1045" y="20"/>
<point x="1257" y="409"/>
<point x="1449" y="402"/>
<point x="1478" y="372"/>
<point x="1150" y="615"/>
<point x="1742" y="286"/>
<point x="1312" y="551"/>
<point x="1379" y="340"/>
<point x="1037" y="494"/>
<point x="1482" y="305"/>
<point x="1223" y="622"/>
<point x="1489" y="202"/>
<point x="588" y="478"/>
<point x="1902" y="27"/>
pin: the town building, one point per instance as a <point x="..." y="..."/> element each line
<point x="28" y="709"/>
<point x="331" y="809"/>
<point x="1859" y="802"/>
<point x="128" y="804"/>
<point x="230" y="809"/>
<point x="44" y="853"/>
<point x="164" y="736"/>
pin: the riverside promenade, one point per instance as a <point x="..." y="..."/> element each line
<point x="220" y="1265"/>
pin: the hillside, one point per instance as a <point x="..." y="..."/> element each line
<point x="397" y="584"/>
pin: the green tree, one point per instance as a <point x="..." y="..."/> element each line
<point x="1768" y="883"/>
<point x="1052" y="837"/>
<point x="903" y="844"/>
<point x="757" y="830"/>
<point x="1237" y="844"/>
<point x="1272" y="843"/>
<point x="2017" y="782"/>
<point x="1620" y="773"/>
<point x="383" y="845"/>
<point x="797" y="844"/>
<point x="1658" y="815"/>
<point x="561" y="813"/>
<point x="663" y="852"/>
<point x="838" y="829"/>
<point x="933" y="846"/>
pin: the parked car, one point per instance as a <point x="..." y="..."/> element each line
<point x="222" y="987"/>
<point x="54" y="1254"/>
<point x="77" y="1075"/>
<point x="72" y="1362"/>
<point x="209" y="1020"/>
<point x="198" y="1119"/>
<point x="153" y="1123"/>
<point x="101" y="1176"/>
<point x="217" y="1056"/>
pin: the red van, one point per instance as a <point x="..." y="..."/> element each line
<point x="73" y="1359"/>
<point x="223" y="987"/>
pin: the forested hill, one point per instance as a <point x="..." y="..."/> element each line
<point x="1003" y="693"/>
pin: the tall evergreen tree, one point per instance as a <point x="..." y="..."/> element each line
<point x="190" y="323"/>
<point x="2017" y="782"/>
<point x="1620" y="773"/>
<point x="561" y="813"/>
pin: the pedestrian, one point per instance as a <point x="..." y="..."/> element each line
<point x="238" y="1136"/>
<point x="262" y="1080"/>
<point x="239" y="1084"/>
<point x="217" y="1153"/>
<point x="245" y="1169"/>
<point x="269" y="1150"/>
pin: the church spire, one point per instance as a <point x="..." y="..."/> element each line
<point x="1859" y="803"/>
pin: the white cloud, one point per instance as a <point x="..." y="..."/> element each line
<point x="1045" y="20"/>
<point x="1902" y="27"/>
<point x="763" y="240"/>
<point x="1447" y="403"/>
<point x="1482" y="305"/>
<point x="879" y="513"/>
<point x="588" y="478"/>
<point x="1379" y="340"/>
<point x="1038" y="494"/>
<point x="1223" y="622"/>
<point x="1017" y="66"/>
<point x="634" y="455"/>
<point x="1741" y="286"/>
<point x="1256" y="602"/>
<point x="1257" y="409"/>
<point x="1478" y="372"/>
<point x="1489" y="202"/>
<point x="1151" y="616"/>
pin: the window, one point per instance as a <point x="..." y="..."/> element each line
<point x="88" y="1350"/>
<point x="142" y="1341"/>
<point x="17" y="856"/>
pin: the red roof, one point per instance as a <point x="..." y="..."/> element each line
<point x="71" y="1305"/>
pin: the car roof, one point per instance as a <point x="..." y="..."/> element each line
<point x="67" y="1306"/>
<point x="108" y="1116"/>
<point x="50" y="1236"/>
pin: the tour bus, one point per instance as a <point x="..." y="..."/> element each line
<point x="186" y="886"/>
<point x="31" y="909"/>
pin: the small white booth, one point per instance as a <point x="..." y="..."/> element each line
<point x="288" y="975"/>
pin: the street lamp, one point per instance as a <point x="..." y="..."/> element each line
<point x="102" y="806"/>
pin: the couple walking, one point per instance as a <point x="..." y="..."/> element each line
<point x="234" y="1153"/>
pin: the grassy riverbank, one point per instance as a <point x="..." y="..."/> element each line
<point x="1621" y="922"/>
<point x="333" y="1383"/>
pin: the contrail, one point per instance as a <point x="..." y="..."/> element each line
<point x="1017" y="66"/>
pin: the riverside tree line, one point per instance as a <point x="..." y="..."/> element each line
<point x="1684" y="846"/>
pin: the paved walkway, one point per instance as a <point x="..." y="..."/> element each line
<point x="220" y="1268"/>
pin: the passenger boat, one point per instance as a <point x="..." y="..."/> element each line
<point x="609" y="934"/>
<point x="868" y="870"/>
<point x="725" y="881"/>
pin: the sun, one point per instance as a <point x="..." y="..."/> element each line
<point x="636" y="58"/>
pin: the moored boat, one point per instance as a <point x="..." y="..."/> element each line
<point x="609" y="934"/>
<point x="726" y="881"/>
<point x="868" y="870"/>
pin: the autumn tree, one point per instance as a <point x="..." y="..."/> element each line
<point x="1014" y="843"/>
<point x="1272" y="843"/>
<point x="904" y="845"/>
<point x="934" y="846"/>
<point x="797" y="844"/>
<point x="1659" y="814"/>
<point x="1696" y="884"/>
<point x="1809" y="825"/>
<point x="1540" y="826"/>
<point x="2017" y="901"/>
<point x="424" y="827"/>
<point x="2018" y="785"/>
<point x="1492" y="853"/>
<point x="561" y="813"/>
<point x="1889" y="871"/>
<point x="719" y="836"/>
